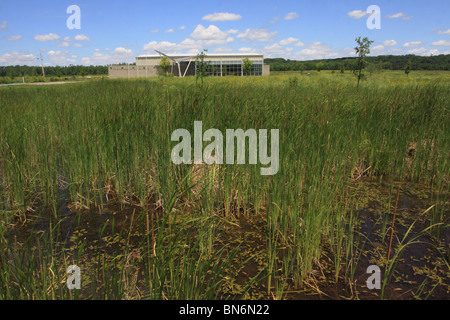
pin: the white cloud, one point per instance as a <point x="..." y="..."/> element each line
<point x="245" y="50"/>
<point x="122" y="51"/>
<point x="171" y="30"/>
<point x="399" y="15"/>
<point x="3" y="25"/>
<point x="222" y="16"/>
<point x="377" y="48"/>
<point x="390" y="43"/>
<point x="288" y="41"/>
<point x="78" y="45"/>
<point x="299" y="44"/>
<point x="424" y="52"/>
<point x="441" y="43"/>
<point x="172" y="47"/>
<point x="164" y="46"/>
<point x="259" y="35"/>
<point x="316" y="50"/>
<point x="291" y="16"/>
<point x="60" y="58"/>
<point x="63" y="44"/>
<point x="275" y="50"/>
<point x="212" y="32"/>
<point x="413" y="44"/>
<point x="357" y="14"/>
<point x="380" y="50"/>
<point x="223" y="50"/>
<point x="82" y="37"/>
<point x="14" y="38"/>
<point x="209" y="36"/>
<point x="118" y="55"/>
<point x="182" y="27"/>
<point x="274" y="20"/>
<point x="46" y="37"/>
<point x="444" y="32"/>
<point x="154" y="30"/>
<point x="216" y="42"/>
<point x="18" y="58"/>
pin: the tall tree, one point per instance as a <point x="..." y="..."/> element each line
<point x="165" y="64"/>
<point x="362" y="50"/>
<point x="247" y="66"/>
<point x="319" y="66"/>
<point x="408" y="68"/>
<point x="201" y="66"/>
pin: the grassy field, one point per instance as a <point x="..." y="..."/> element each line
<point x="86" y="178"/>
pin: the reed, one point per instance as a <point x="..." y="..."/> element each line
<point x="108" y="142"/>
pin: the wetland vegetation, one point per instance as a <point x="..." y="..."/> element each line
<point x="86" y="179"/>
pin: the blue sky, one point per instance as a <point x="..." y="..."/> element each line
<point x="117" y="31"/>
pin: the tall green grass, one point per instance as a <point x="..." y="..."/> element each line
<point x="109" y="142"/>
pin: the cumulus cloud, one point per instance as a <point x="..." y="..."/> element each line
<point x="187" y="44"/>
<point x="3" y="25"/>
<point x="357" y="14"/>
<point x="222" y="16"/>
<point x="63" y="44"/>
<point x="291" y="16"/>
<point x="288" y="41"/>
<point x="14" y="38"/>
<point x="274" y="20"/>
<point x="399" y="15"/>
<point x="209" y="36"/>
<point x="210" y="33"/>
<point x="171" y="30"/>
<point x="316" y="50"/>
<point x="245" y="50"/>
<point x="223" y="50"/>
<point x="441" y="43"/>
<point x="444" y="32"/>
<point x="260" y="35"/>
<point x="173" y="47"/>
<point x="379" y="49"/>
<point x="60" y="58"/>
<point x="46" y="37"/>
<point x="413" y="44"/>
<point x="389" y="43"/>
<point x="82" y="37"/>
<point x="18" y="58"/>
<point x="424" y="52"/>
<point x="275" y="50"/>
<point x="118" y="55"/>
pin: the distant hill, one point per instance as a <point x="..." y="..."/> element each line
<point x="389" y="62"/>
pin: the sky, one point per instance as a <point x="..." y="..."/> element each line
<point x="98" y="32"/>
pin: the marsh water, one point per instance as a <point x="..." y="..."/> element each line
<point x="420" y="229"/>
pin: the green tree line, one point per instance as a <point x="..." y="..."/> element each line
<point x="388" y="62"/>
<point x="57" y="71"/>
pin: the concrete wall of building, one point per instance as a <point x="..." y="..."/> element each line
<point x="133" y="71"/>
